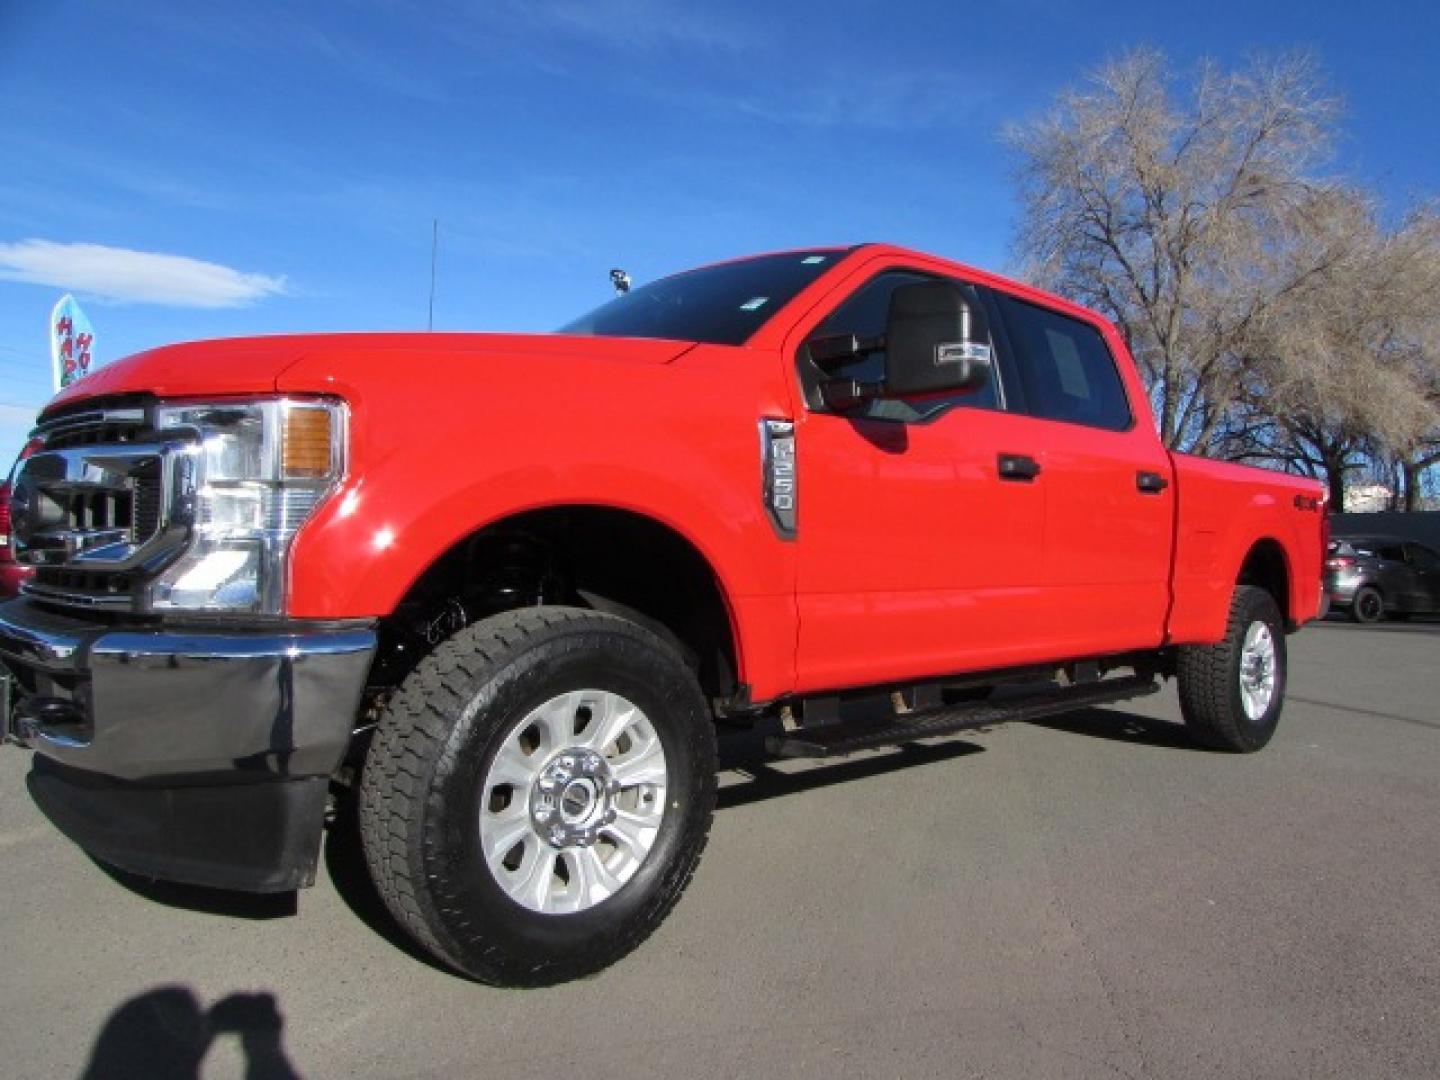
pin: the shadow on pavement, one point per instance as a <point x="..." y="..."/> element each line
<point x="745" y="753"/>
<point x="165" y="1034"/>
<point x="1122" y="726"/>
<point x="235" y="905"/>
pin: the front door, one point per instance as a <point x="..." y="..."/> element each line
<point x="915" y="556"/>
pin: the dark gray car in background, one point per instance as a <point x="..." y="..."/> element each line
<point x="1378" y="577"/>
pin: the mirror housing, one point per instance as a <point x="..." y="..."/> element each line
<point x="936" y="341"/>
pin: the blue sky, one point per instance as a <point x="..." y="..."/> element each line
<point x="300" y="150"/>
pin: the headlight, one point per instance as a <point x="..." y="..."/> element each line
<point x="260" y="470"/>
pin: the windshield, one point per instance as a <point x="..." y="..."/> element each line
<point x="718" y="305"/>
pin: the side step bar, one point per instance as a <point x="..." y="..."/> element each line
<point x="836" y="740"/>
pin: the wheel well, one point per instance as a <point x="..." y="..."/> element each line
<point x="1266" y="568"/>
<point x="586" y="556"/>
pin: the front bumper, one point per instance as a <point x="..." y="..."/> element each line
<point x="200" y="756"/>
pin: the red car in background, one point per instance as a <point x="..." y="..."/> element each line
<point x="12" y="574"/>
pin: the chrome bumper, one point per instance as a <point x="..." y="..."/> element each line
<point x="195" y="756"/>
<point x="142" y="704"/>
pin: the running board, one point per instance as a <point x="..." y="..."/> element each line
<point x="836" y="740"/>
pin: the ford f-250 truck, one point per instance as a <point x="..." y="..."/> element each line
<point x="510" y="585"/>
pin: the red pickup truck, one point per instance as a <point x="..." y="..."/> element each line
<point x="510" y="587"/>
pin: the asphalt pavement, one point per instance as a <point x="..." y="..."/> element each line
<point x="1088" y="897"/>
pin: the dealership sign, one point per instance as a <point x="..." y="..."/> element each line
<point x="72" y="342"/>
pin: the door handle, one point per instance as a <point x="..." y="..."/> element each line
<point x="1151" y="483"/>
<point x="1019" y="467"/>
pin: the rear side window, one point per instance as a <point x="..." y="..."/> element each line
<point x="1065" y="366"/>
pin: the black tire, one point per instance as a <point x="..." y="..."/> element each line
<point x="1367" y="606"/>
<point x="1209" y="678"/>
<point x="421" y="788"/>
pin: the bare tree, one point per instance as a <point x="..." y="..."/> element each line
<point x="1340" y="361"/>
<point x="1169" y="211"/>
<point x="1416" y="448"/>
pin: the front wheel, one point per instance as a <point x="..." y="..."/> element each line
<point x="538" y="794"/>
<point x="1231" y="693"/>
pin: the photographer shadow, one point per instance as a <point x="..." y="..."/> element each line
<point x="165" y="1034"/>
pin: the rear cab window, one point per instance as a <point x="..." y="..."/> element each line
<point x="1066" y="369"/>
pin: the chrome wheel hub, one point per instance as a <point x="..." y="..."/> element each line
<point x="570" y="799"/>
<point x="573" y="801"/>
<point x="1257" y="670"/>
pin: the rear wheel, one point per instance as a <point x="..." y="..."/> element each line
<point x="1231" y="693"/>
<point x="538" y="794"/>
<point x="1368" y="606"/>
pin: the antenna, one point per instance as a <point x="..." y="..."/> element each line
<point x="434" y="247"/>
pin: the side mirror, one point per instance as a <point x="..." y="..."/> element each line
<point x="935" y="340"/>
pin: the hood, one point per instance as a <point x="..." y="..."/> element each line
<point x="238" y="366"/>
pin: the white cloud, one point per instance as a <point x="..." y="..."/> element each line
<point x="140" y="277"/>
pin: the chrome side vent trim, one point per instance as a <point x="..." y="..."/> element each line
<point x="779" y="483"/>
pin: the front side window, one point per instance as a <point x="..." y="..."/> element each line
<point x="864" y="314"/>
<point x="1065" y="366"/>
<point x="716" y="305"/>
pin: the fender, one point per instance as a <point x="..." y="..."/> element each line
<point x="674" y="442"/>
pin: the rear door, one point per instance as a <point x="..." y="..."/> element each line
<point x="1109" y="483"/>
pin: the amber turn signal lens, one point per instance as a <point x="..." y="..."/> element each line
<point x="306" y="447"/>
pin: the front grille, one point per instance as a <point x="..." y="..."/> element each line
<point x="148" y="501"/>
<point x="91" y="508"/>
<point x="82" y="586"/>
<point x="96" y="427"/>
<point x="98" y="511"/>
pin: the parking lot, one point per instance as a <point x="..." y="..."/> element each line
<point x="1087" y="897"/>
